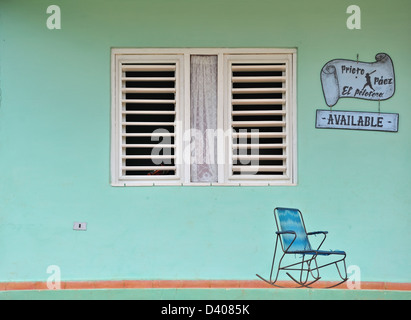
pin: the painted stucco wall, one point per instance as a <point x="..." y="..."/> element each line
<point x="55" y="145"/>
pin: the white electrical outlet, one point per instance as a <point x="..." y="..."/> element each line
<point x="81" y="226"/>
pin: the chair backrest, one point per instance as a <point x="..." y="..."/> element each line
<point x="292" y="220"/>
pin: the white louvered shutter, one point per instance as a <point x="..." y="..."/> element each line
<point x="149" y="98"/>
<point x="260" y="120"/>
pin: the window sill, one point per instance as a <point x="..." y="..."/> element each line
<point x="175" y="184"/>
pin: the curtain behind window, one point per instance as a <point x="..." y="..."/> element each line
<point x="203" y="119"/>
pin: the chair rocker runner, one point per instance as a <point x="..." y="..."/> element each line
<point x="293" y="239"/>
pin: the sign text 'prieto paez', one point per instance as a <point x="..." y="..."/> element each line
<point x="342" y="78"/>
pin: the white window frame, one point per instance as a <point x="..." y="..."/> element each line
<point x="182" y="56"/>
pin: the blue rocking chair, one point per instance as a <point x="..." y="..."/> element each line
<point x="293" y="238"/>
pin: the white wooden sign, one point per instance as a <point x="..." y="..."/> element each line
<point x="355" y="120"/>
<point x="342" y="78"/>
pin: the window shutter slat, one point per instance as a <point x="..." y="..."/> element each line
<point x="257" y="90"/>
<point x="151" y="146"/>
<point x="148" y="157"/>
<point x="258" y="134"/>
<point x="259" y="157"/>
<point x="258" y="112"/>
<point x="149" y="124"/>
<point x="148" y="79"/>
<point x="148" y="101"/>
<point x="148" y="134"/>
<point x="148" y="168"/>
<point x="148" y="67"/>
<point x="149" y="112"/>
<point x="259" y="168"/>
<point x="258" y="101"/>
<point x="259" y="124"/>
<point x="258" y="79"/>
<point x="148" y="90"/>
<point x="256" y="67"/>
<point x="258" y="146"/>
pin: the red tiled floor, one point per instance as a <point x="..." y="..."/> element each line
<point x="185" y="284"/>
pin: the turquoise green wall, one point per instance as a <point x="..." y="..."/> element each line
<point x="55" y="145"/>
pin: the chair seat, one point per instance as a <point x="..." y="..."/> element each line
<point x="318" y="252"/>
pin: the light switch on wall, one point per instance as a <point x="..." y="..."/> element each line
<point x="81" y="226"/>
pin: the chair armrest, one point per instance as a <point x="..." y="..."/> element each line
<point x="285" y="232"/>
<point x="279" y="233"/>
<point x="316" y="232"/>
<point x="324" y="233"/>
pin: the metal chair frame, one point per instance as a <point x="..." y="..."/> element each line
<point x="307" y="266"/>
